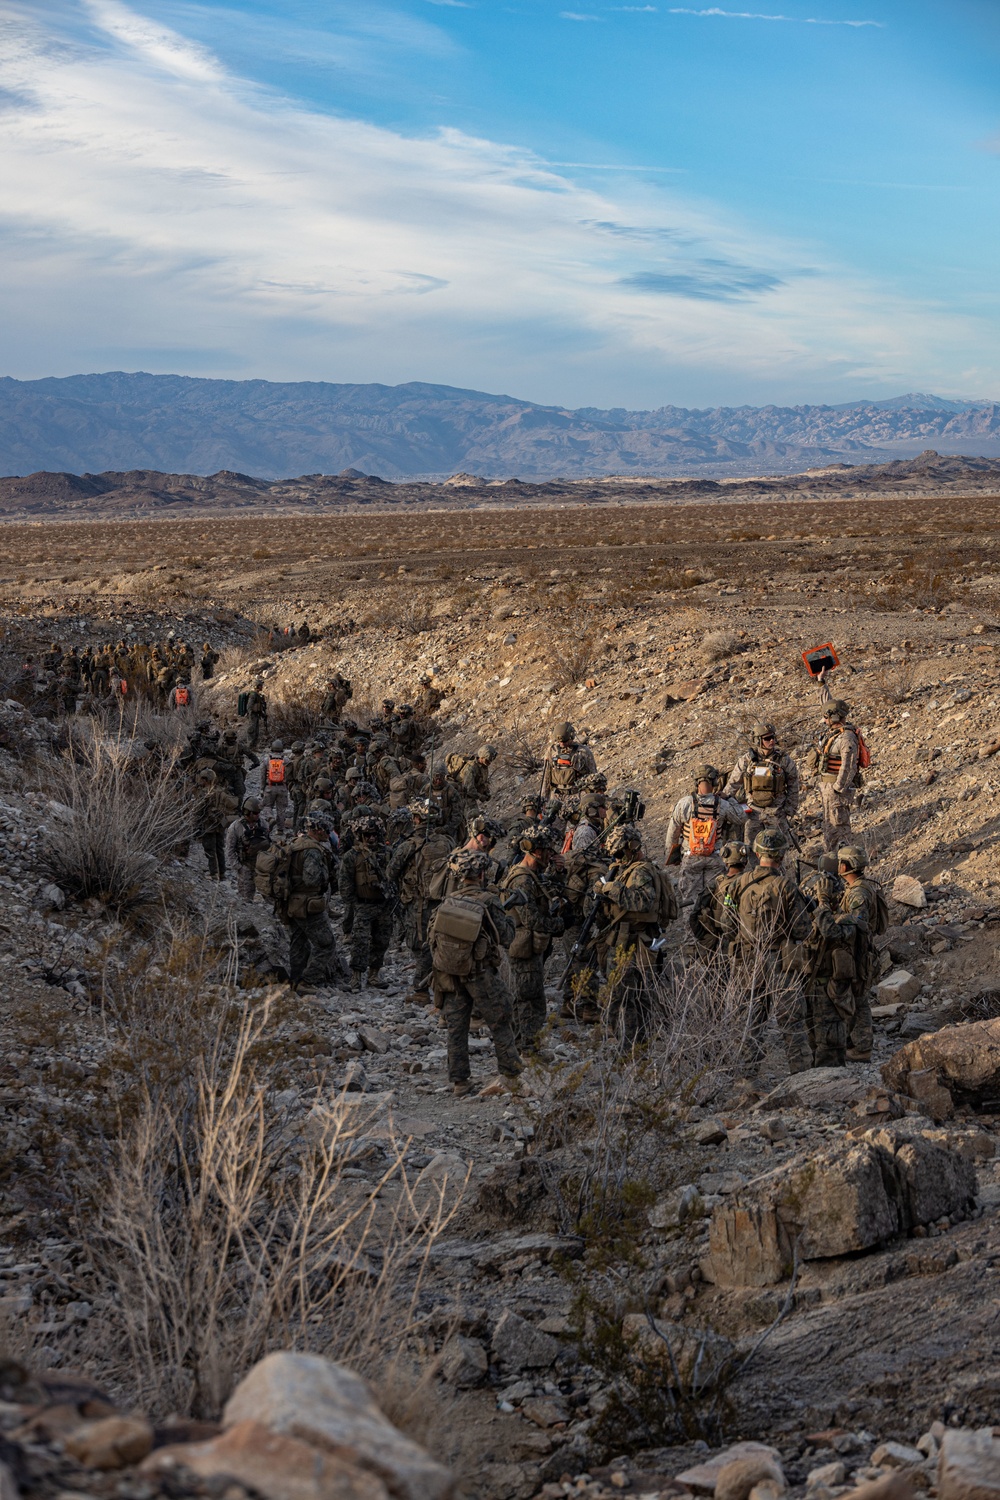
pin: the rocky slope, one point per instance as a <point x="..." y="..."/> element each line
<point x="177" y="423"/>
<point x="663" y="636"/>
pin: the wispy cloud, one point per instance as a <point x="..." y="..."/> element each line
<point x="707" y="281"/>
<point x="151" y="198"/>
<point x="753" y="15"/>
<point x="572" y="15"/>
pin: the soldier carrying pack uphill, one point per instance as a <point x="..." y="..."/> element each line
<point x="766" y="779"/>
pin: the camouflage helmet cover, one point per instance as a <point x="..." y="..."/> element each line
<point x="486" y="752"/>
<point x="367" y="828"/>
<point x="320" y="821"/>
<point x="251" y="805"/>
<point x="623" y="836"/>
<point x="468" y="863"/>
<point x="534" y="840"/>
<point x="531" y="803"/>
<point x="705" y="772"/>
<point x="366" y="789"/>
<point x="769" y="843"/>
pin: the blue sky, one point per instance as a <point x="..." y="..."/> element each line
<point x="580" y="204"/>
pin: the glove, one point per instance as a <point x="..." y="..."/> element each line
<point x="825" y="889"/>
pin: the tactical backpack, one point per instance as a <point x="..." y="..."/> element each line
<point x="241" y="705"/>
<point x="273" y="873"/>
<point x="667" y="908"/>
<point x="455" y="763"/>
<point x="762" y="895"/>
<point x="456" y="935"/>
<point x="181" y="697"/>
<point x="276" y="771"/>
<point x="368" y="881"/>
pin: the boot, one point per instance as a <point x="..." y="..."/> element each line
<point x="462" y="1089"/>
<point x="418" y="997"/>
<point x="854" y="1055"/>
<point x="355" y="985"/>
<point x="374" y="982"/>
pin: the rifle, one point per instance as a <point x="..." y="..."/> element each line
<point x="582" y="937"/>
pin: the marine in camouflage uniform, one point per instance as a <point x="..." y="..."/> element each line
<point x="312" y="945"/>
<point x="861" y="903"/>
<point x="629" y="924"/>
<point x="829" y="973"/>
<point x="772" y="912"/>
<point x="537" y="920"/>
<point x="704" y="803"/>
<point x="593" y="816"/>
<point x="256" y="707"/>
<point x="836" y="758"/>
<point x="566" y="764"/>
<point x="474" y="781"/>
<point x="714" y="918"/>
<point x="245" y="839"/>
<point x="213" y="814"/>
<point x="482" y="990"/>
<point x="583" y="873"/>
<point x="410" y="867"/>
<point x="448" y="804"/>
<point x="368" y="905"/>
<point x="766" y="778"/>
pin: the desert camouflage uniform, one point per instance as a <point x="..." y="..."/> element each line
<point x="213" y="816"/>
<point x="858" y="903"/>
<point x="256" y="705"/>
<point x="311" y="941"/>
<point x="474" y="784"/>
<point x="244" y="841"/>
<point x="408" y="870"/>
<point x="535" y="927"/>
<point x="758" y="959"/>
<point x="368" y="919"/>
<point x="482" y="991"/>
<point x="828" y="995"/>
<point x="697" y="870"/>
<point x="629" y="927"/>
<point x="775" y="811"/>
<point x="837" y="786"/>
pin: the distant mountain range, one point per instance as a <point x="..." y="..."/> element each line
<point x="179" y="424"/>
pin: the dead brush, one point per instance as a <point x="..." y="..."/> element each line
<point x="221" y="1227"/>
<point x="415" y="618"/>
<point x="720" y="644"/>
<point x="120" y="819"/>
<point x="895" y="682"/>
<point x="518" y="751"/>
<point x="571" y="655"/>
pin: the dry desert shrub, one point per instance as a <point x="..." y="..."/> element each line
<point x="221" y="1226"/>
<point x="894" y="682"/>
<point x="118" y="819"/>
<point x="718" y="644"/>
<point x="571" y="654"/>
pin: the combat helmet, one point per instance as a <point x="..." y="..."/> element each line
<point x="769" y="843"/>
<point x="734" y="853"/>
<point x="486" y="752"/>
<point x="536" y="840"/>
<point x="480" y="824"/>
<point x="565" y="733"/>
<point x="251" y="805"/>
<point x="468" y="863"/>
<point x="837" y="712"/>
<point x="321" y="821"/>
<point x="367" y="828"/>
<point x="366" y="789"/>
<point x="852" y="858"/>
<point x="622" y="838"/>
<point x="705" y="772"/>
<point x="531" y="803"/>
<point x="764" y="731"/>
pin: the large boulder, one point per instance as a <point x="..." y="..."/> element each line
<point x="969" y="1465"/>
<point x="519" y="1345"/>
<point x="855" y="1195"/>
<point x="271" y="1465"/>
<point x="328" y="1407"/>
<point x="963" y="1059"/>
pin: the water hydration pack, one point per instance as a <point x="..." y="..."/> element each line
<point x="456" y="936"/>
